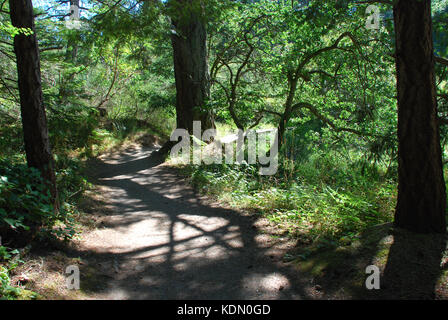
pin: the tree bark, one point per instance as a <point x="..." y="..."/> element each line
<point x="71" y="52"/>
<point x="34" y="121"/>
<point x="72" y="43"/>
<point x="421" y="199"/>
<point x="189" y="41"/>
<point x="286" y="115"/>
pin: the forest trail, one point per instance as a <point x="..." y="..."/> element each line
<point x="161" y="240"/>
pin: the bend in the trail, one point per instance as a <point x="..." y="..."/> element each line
<point x="163" y="241"/>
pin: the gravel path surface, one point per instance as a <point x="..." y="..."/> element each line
<point x="163" y="241"/>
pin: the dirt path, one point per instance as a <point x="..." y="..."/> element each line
<point x="162" y="241"/>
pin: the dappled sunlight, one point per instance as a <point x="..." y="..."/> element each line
<point x="271" y="284"/>
<point x="223" y="149"/>
<point x="167" y="242"/>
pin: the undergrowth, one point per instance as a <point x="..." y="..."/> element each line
<point x="323" y="197"/>
<point x="26" y="212"/>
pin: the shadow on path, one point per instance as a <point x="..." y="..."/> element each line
<point x="163" y="241"/>
<point x="414" y="266"/>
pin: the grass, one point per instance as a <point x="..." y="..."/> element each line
<point x="340" y="211"/>
<point x="310" y="200"/>
<point x="412" y="266"/>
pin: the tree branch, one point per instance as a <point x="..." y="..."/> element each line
<point x="324" y="119"/>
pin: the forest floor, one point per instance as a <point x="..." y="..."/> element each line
<point x="153" y="237"/>
<point x="148" y="235"/>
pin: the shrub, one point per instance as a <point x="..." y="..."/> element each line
<point x="322" y="197"/>
<point x="24" y="198"/>
<point x="7" y="292"/>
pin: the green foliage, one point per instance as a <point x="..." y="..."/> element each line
<point x="6" y="254"/>
<point x="24" y="202"/>
<point x="9" y="260"/>
<point x="7" y="292"/>
<point x="11" y="138"/>
<point x="72" y="129"/>
<point x="323" y="196"/>
<point x="25" y="205"/>
<point x="331" y="182"/>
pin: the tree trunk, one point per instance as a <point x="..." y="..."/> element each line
<point x="189" y="41"/>
<point x="286" y="115"/>
<point x="71" y="52"/>
<point x="34" y="121"/>
<point x="234" y="116"/>
<point x="72" y="43"/>
<point x="421" y="188"/>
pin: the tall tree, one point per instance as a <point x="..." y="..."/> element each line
<point x="65" y="90"/>
<point x="34" y="121"/>
<point x="72" y="43"/>
<point x="421" y="199"/>
<point x="189" y="41"/>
